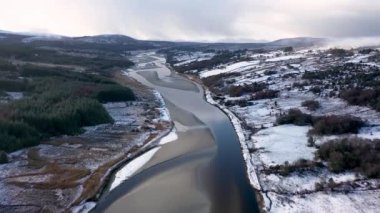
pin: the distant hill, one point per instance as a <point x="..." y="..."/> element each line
<point x="125" y="43"/>
<point x="107" y="39"/>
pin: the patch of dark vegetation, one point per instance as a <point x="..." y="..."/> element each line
<point x="216" y="83"/>
<point x="32" y="53"/>
<point x="301" y="165"/>
<point x="270" y="72"/>
<point x="288" y="49"/>
<point x="362" y="97"/>
<point x="119" y="47"/>
<point x="6" y="66"/>
<point x="366" y="51"/>
<point x="336" y="125"/>
<point x="3" y="157"/>
<point x="57" y="102"/>
<point x="352" y="154"/>
<point x="322" y="125"/>
<point x="38" y="71"/>
<point x="340" y="52"/>
<point x="301" y="85"/>
<point x="313" y="75"/>
<point x="324" y="185"/>
<point x="344" y="77"/>
<point x="15" y="135"/>
<point x="311" y="105"/>
<point x="115" y="93"/>
<point x="52" y="115"/>
<point x="296" y="117"/>
<point x="265" y="94"/>
<point x="3" y="94"/>
<point x="310" y="141"/>
<point x="241" y="103"/>
<point x="11" y="85"/>
<point x="316" y="90"/>
<point x="237" y="91"/>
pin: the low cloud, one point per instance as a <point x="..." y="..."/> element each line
<point x="197" y="20"/>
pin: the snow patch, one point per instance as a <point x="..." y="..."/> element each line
<point x="285" y="58"/>
<point x="164" y="112"/>
<point x="84" y="208"/>
<point x="172" y="136"/>
<point x="236" y="67"/>
<point x="132" y="167"/>
<point x="283" y="143"/>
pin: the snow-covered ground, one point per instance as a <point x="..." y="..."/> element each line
<point x="164" y="112"/>
<point x="285" y="58"/>
<point x="271" y="145"/>
<point x="192" y="57"/>
<point x="172" y="136"/>
<point x="283" y="143"/>
<point x="354" y="202"/>
<point x="235" y="67"/>
<point x="132" y="167"/>
<point x="15" y="95"/>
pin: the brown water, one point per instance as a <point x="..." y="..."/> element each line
<point x="202" y="171"/>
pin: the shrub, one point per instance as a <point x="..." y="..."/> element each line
<point x="217" y="80"/>
<point x="301" y="165"/>
<point x="340" y="52"/>
<point x="270" y="72"/>
<point x="336" y="124"/>
<point x="362" y="97"/>
<point x="288" y="49"/>
<point x="296" y="117"/>
<point x="311" y="105"/>
<point x="357" y="154"/>
<point x="316" y="90"/>
<point x="312" y="75"/>
<point x="3" y="157"/>
<point x="300" y="84"/>
<point x="366" y="51"/>
<point x="310" y="141"/>
<point x="236" y="91"/>
<point x="266" y="94"/>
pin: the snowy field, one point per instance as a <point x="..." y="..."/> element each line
<point x="236" y="67"/>
<point x="276" y="145"/>
<point x="283" y="143"/>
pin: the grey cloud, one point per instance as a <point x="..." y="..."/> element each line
<point x="201" y="20"/>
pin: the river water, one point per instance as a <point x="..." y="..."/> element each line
<point x="202" y="171"/>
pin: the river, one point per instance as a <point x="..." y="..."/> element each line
<point x="202" y="171"/>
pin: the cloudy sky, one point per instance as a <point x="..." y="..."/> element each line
<point x="195" y="20"/>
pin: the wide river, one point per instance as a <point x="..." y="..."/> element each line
<point x="202" y="171"/>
